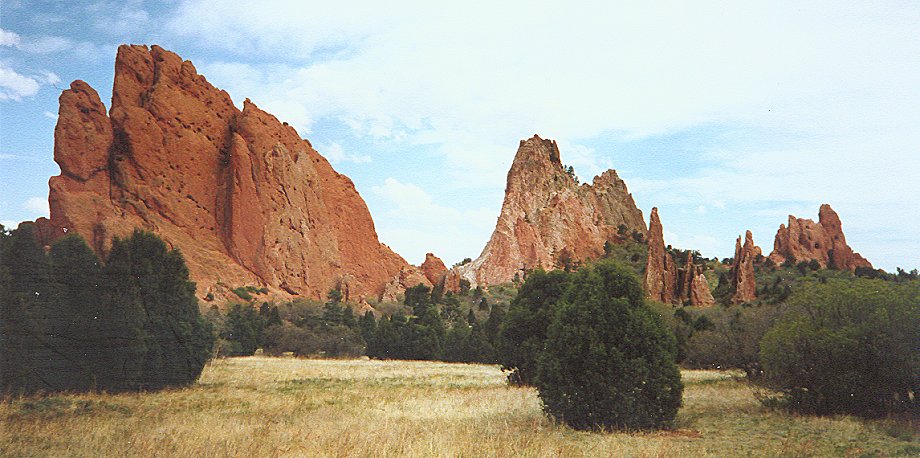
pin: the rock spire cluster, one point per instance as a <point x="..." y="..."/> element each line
<point x="664" y="281"/>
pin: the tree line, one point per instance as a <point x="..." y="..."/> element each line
<point x="70" y="322"/>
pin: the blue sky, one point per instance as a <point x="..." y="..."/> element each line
<point x="726" y="115"/>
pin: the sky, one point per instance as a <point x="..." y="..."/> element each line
<point x="727" y="116"/>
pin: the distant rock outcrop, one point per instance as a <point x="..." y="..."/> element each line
<point x="549" y="220"/>
<point x="664" y="281"/>
<point x="408" y="277"/>
<point x="742" y="272"/>
<point x="824" y="242"/>
<point x="433" y="268"/>
<point x="246" y="199"/>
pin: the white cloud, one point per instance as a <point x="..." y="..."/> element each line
<point x="50" y="78"/>
<point x="45" y="44"/>
<point x="8" y="38"/>
<point x="50" y="115"/>
<point x="38" y="206"/>
<point x="15" y="86"/>
<point x="415" y="224"/>
<point x="833" y="87"/>
<point x="9" y="224"/>
<point x="337" y="155"/>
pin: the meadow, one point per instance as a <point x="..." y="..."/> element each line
<point x="260" y="406"/>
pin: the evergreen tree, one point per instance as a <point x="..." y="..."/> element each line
<point x="608" y="360"/>
<point x="243" y="330"/>
<point x="25" y="313"/>
<point x="368" y="327"/>
<point x="77" y="306"/>
<point x="523" y="332"/>
<point x="177" y="339"/>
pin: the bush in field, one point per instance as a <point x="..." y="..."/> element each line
<point x="730" y="337"/>
<point x="523" y="330"/>
<point x="608" y="361"/>
<point x="851" y="348"/>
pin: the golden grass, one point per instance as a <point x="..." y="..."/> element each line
<point x="295" y="407"/>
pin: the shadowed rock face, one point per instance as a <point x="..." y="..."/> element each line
<point x="824" y="242"/>
<point x="548" y="219"/>
<point x="664" y="281"/>
<point x="743" y="282"/>
<point x="246" y="199"/>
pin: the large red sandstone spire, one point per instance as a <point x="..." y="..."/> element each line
<point x="548" y="219"/>
<point x="824" y="242"/>
<point x="246" y="199"/>
<point x="743" y="282"/>
<point x="660" y="271"/>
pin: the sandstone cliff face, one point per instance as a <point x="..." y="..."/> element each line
<point x="433" y="268"/>
<point x="664" y="281"/>
<point x="805" y="240"/>
<point x="245" y="198"/>
<point x="660" y="271"/>
<point x="547" y="218"/>
<point x="743" y="283"/>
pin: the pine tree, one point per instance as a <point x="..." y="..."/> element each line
<point x="77" y="306"/>
<point x="523" y="332"/>
<point x="368" y="327"/>
<point x="608" y="361"/>
<point x="25" y="313"/>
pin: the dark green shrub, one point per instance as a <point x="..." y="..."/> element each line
<point x="608" y="361"/>
<point x="523" y="331"/>
<point x="729" y="337"/>
<point x="851" y="348"/>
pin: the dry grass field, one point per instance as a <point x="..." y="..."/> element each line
<point x="261" y="406"/>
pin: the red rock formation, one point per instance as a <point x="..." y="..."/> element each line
<point x="246" y="199"/>
<point x="433" y="268"/>
<point x="407" y="277"/>
<point x="693" y="286"/>
<point x="743" y="283"/>
<point x="805" y="240"/>
<point x="664" y="282"/>
<point x="660" y="270"/>
<point x="547" y="218"/>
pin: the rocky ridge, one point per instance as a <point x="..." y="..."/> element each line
<point x="246" y="199"/>
<point x="548" y="219"/>
<point x="804" y="240"/>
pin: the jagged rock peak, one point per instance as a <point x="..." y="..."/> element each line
<point x="548" y="219"/>
<point x="743" y="283"/>
<point x="246" y="199"/>
<point x="660" y="271"/>
<point x="664" y="281"/>
<point x="804" y="240"/>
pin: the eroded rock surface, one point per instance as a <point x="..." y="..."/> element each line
<point x="824" y="242"/>
<point x="246" y="199"/>
<point x="742" y="272"/>
<point x="664" y="281"/>
<point x="548" y="219"/>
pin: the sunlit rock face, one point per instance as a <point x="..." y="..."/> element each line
<point x="743" y="282"/>
<point x="548" y="219"/>
<point x="804" y="240"/>
<point x="241" y="194"/>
